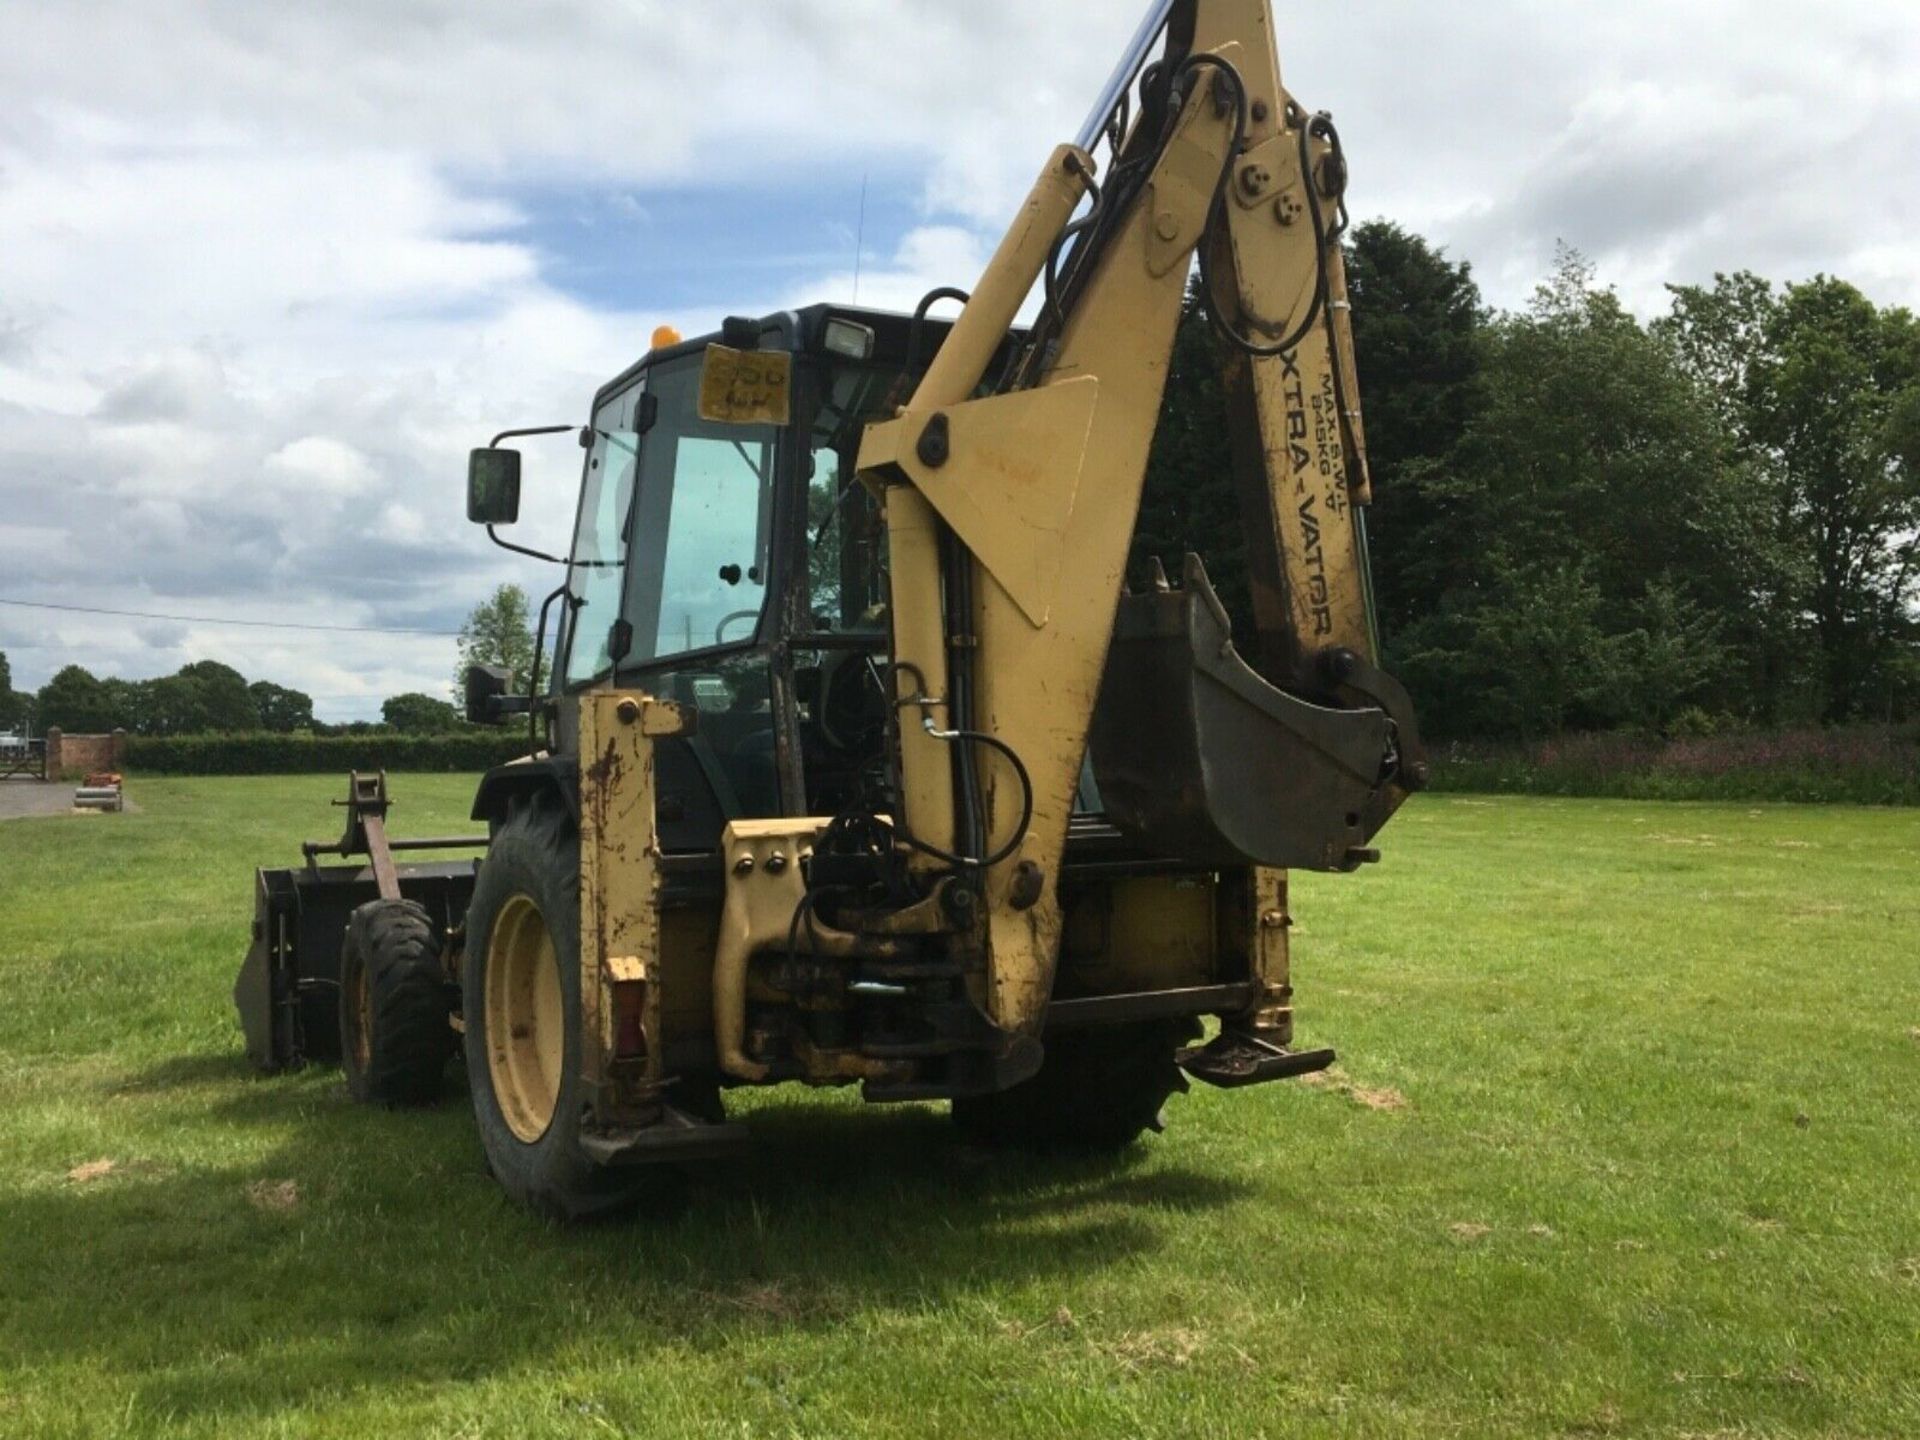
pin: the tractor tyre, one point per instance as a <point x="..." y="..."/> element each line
<point x="520" y="991"/>
<point x="1097" y="1090"/>
<point x="395" y="1006"/>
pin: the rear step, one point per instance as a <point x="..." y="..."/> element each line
<point x="1230" y="1060"/>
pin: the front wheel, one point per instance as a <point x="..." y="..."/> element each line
<point x="520" y="991"/>
<point x="396" y="1034"/>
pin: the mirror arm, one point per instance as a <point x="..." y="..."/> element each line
<point x="523" y="550"/>
<point x="492" y="534"/>
<point x="494" y="444"/>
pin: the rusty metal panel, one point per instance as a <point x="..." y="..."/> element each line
<point x="619" y="875"/>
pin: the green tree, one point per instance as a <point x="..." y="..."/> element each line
<point x="10" y="701"/>
<point x="198" y="698"/>
<point x="418" y="714"/>
<point x="1821" y="390"/>
<point x="280" y="709"/>
<point x="76" y="701"/>
<point x="124" y="699"/>
<point x="1188" y="501"/>
<point x="17" y="707"/>
<point x="1671" y="659"/>
<point x="1589" y="500"/>
<point x="1835" y="397"/>
<point x="1718" y="335"/>
<point x="497" y="632"/>
<point x="168" y="705"/>
<point x="1417" y="318"/>
<point x="222" y="699"/>
<point x="1543" y="650"/>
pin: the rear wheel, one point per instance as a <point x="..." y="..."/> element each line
<point x="1097" y="1090"/>
<point x="395" y="1035"/>
<point x="520" y="989"/>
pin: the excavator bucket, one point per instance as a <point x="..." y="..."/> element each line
<point x="1197" y="757"/>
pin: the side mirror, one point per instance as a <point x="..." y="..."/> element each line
<point x="493" y="486"/>
<point x="486" y="695"/>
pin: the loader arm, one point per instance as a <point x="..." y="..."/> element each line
<point x="1011" y="500"/>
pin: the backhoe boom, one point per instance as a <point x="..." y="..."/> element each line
<point x="1011" y="507"/>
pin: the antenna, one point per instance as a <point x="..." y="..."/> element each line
<point x="859" y="234"/>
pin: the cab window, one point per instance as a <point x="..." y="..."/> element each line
<point x="702" y="523"/>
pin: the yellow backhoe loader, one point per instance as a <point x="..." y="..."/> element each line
<point x="859" y="761"/>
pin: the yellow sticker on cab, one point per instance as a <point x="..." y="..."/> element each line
<point x="746" y="387"/>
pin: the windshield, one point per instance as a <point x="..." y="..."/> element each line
<point x="677" y="520"/>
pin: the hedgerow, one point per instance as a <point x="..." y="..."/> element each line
<point x="1858" y="765"/>
<point x="269" y="754"/>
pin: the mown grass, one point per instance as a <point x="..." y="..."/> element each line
<point x="1623" y="1142"/>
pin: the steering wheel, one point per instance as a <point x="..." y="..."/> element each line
<point x="720" y="630"/>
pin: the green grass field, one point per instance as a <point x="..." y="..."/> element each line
<point x="1625" y="1140"/>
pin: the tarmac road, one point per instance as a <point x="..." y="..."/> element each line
<point x="22" y="799"/>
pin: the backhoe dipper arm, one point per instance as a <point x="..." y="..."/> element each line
<point x="1010" y="514"/>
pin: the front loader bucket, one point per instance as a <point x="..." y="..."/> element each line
<point x="1197" y="757"/>
<point x="288" y="991"/>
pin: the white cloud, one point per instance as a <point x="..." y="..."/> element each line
<point x="926" y="256"/>
<point x="330" y="466"/>
<point x="257" y="296"/>
<point x="404" y="523"/>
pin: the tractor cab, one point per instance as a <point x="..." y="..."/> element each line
<point x="725" y="558"/>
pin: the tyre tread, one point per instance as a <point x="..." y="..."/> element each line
<point x="412" y="1039"/>
<point x="535" y="850"/>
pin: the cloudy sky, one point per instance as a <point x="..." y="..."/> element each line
<point x="267" y="271"/>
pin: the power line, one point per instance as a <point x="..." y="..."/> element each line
<point x="219" y="620"/>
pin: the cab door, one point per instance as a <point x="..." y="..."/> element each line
<point x="695" y="606"/>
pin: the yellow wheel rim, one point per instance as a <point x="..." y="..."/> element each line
<point x="526" y="1019"/>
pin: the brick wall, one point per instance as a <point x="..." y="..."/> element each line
<point x="79" y="754"/>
